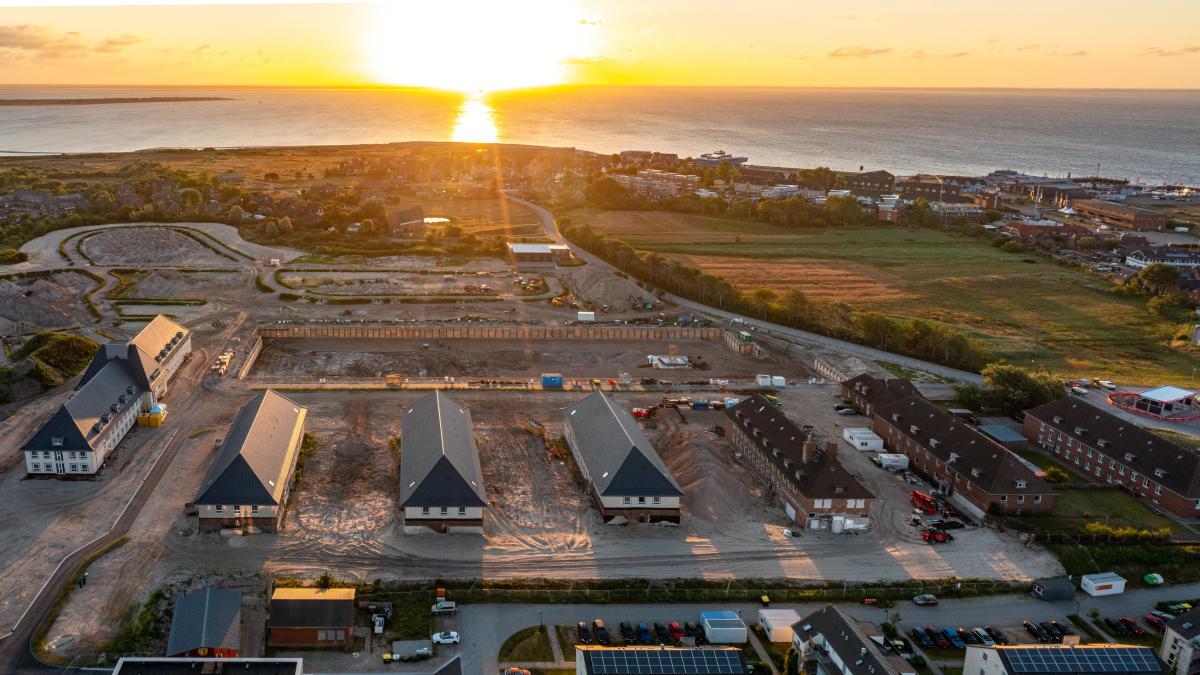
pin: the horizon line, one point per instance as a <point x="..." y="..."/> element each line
<point x="386" y="87"/>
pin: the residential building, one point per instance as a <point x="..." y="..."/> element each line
<point x="441" y="484"/>
<point x="250" y="479"/>
<point x="311" y="617"/>
<point x="1165" y="255"/>
<point x="408" y="223"/>
<point x="866" y="392"/>
<point x="123" y="380"/>
<point x="1121" y="215"/>
<point x="206" y="623"/>
<point x="627" y="477"/>
<point x="816" y="491"/>
<point x="1105" y="448"/>
<point x="971" y="469"/>
<point x="629" y="660"/>
<point x="867" y="184"/>
<point x="648" y="158"/>
<point x="655" y="184"/>
<point x="932" y="189"/>
<point x="1057" y="659"/>
<point x="527" y="256"/>
<point x="948" y="211"/>
<point x="157" y="665"/>
<point x="1180" y="648"/>
<point x="986" y="200"/>
<point x="842" y="645"/>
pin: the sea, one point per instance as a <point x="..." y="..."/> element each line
<point x="1147" y="136"/>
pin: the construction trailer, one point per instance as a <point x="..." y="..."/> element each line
<point x="863" y="439"/>
<point x="1103" y="583"/>
<point x="723" y="627"/>
<point x="777" y="623"/>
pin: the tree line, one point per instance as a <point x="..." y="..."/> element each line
<point x="918" y="338"/>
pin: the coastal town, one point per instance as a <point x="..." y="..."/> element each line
<point x="419" y="408"/>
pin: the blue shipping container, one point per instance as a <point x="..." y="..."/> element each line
<point x="699" y="405"/>
<point x="552" y="381"/>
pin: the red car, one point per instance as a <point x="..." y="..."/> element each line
<point x="1133" y="626"/>
<point x="675" y="630"/>
<point x="1155" y="621"/>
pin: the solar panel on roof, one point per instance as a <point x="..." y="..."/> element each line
<point x="666" y="662"/>
<point x="1088" y="660"/>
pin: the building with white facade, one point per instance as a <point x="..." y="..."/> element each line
<point x="841" y="645"/>
<point x="123" y="380"/>
<point x="1180" y="648"/>
<point x="441" y="482"/>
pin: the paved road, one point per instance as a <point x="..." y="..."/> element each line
<point x="485" y="627"/>
<point x="784" y="332"/>
<point x="15" y="651"/>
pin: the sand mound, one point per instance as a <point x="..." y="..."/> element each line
<point x="712" y="489"/>
<point x="602" y="288"/>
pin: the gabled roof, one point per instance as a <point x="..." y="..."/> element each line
<point x="209" y="617"/>
<point x="820" y="477"/>
<point x="968" y="451"/>
<point x="1180" y="466"/>
<point x="880" y="391"/>
<point x="76" y="421"/>
<point x="620" y="460"/>
<point x="851" y="641"/>
<point x="439" y="462"/>
<point x="158" y="335"/>
<point x="254" y="461"/>
<point x="311" y="608"/>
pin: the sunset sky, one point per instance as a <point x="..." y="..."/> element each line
<point x="469" y="44"/>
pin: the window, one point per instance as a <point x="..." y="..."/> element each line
<point x="38" y="467"/>
<point x="462" y="510"/>
<point x="641" y="500"/>
<point x="1003" y="498"/>
<point x="56" y="442"/>
<point x="628" y="501"/>
<point x="444" y="510"/>
<point x="1020" y="499"/>
<point x="1158" y="489"/>
<point x="254" y="509"/>
<point x="219" y="508"/>
<point x="1020" y="485"/>
<point x="424" y="510"/>
<point x="74" y="467"/>
<point x="1037" y="499"/>
<point x="658" y="500"/>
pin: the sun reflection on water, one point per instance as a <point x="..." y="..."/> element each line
<point x="476" y="122"/>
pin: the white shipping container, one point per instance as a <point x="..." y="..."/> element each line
<point x="1104" y="583"/>
<point x="863" y="439"/>
<point x="762" y="380"/>
<point x="587" y="316"/>
<point x="778" y="381"/>
<point x="895" y="461"/>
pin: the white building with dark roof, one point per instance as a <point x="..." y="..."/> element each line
<point x="441" y="482"/>
<point x="123" y="380"/>
<point x="248" y="484"/>
<point x="1180" y="648"/>
<point x="842" y="645"/>
<point x="627" y="476"/>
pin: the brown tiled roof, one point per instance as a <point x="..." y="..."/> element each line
<point x="981" y="460"/>
<point x="1149" y="452"/>
<point x="821" y="477"/>
<point x="880" y="392"/>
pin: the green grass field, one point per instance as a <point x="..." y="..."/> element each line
<point x="1024" y="307"/>
<point x="1074" y="509"/>
<point x="527" y="645"/>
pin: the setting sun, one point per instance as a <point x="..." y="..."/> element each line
<point x="474" y="45"/>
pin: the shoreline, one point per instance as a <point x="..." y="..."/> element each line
<point x="13" y="102"/>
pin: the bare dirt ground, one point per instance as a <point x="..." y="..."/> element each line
<point x="167" y="283"/>
<point x="156" y="246"/>
<point x="498" y="358"/>
<point x="29" y="305"/>
<point x="600" y="288"/>
<point x="376" y="283"/>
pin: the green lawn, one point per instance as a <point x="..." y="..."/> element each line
<point x="1075" y="508"/>
<point x="1025" y="307"/>
<point x="1044" y="461"/>
<point x="527" y="645"/>
<point x="1178" y="438"/>
<point x="566" y="641"/>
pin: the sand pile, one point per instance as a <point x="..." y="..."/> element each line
<point x="602" y="288"/>
<point x="712" y="489"/>
<point x="52" y="302"/>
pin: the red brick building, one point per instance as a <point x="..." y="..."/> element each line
<point x="866" y="392"/>
<point x="815" y="489"/>
<point x="1107" y="449"/>
<point x="311" y="617"/>
<point x="867" y="184"/>
<point x="1121" y="215"/>
<point x="975" y="471"/>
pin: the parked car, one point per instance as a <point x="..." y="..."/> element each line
<point x="1155" y="621"/>
<point x="1117" y="627"/>
<point x="583" y="633"/>
<point x="997" y="635"/>
<point x="791" y="533"/>
<point x="1054" y="633"/>
<point x="984" y="638"/>
<point x="947" y="525"/>
<point x="661" y="633"/>
<point x="444" y="607"/>
<point x="968" y="636"/>
<point x="1079" y="391"/>
<point x="601" y="632"/>
<point x="901" y="646"/>
<point x="1133" y="626"/>
<point x="1165" y="616"/>
<point x="922" y="637"/>
<point x="847" y="411"/>
<point x="627" y="632"/>
<point x="1108" y="384"/>
<point x="1064" y="628"/>
<point x="1033" y="629"/>
<point x="675" y="630"/>
<point x="937" y="637"/>
<point x="644" y="635"/>
<point x="925" y="600"/>
<point x="445" y="638"/>
<point x="955" y="640"/>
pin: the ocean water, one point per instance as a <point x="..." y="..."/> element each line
<point x="1152" y="136"/>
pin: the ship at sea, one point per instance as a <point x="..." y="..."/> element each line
<point x="720" y="157"/>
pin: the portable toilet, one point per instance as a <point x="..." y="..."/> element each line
<point x="1104" y="583"/>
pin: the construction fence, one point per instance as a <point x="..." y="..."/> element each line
<point x="492" y="332"/>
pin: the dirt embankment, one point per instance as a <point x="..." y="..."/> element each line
<point x="30" y="305"/>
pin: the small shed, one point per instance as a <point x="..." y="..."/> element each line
<point x="723" y="627"/>
<point x="1104" y="583"/>
<point x="1058" y="588"/>
<point x="206" y="623"/>
<point x="311" y="617"/>
<point x="863" y="439"/>
<point x="777" y="623"/>
<point x="1006" y="436"/>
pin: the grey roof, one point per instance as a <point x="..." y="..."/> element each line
<point x="620" y="460"/>
<point x="311" y="613"/>
<point x="439" y="463"/>
<point x="254" y="461"/>
<point x="76" y="420"/>
<point x="157" y="665"/>
<point x="842" y="634"/>
<point x="1187" y="624"/>
<point x="209" y="617"/>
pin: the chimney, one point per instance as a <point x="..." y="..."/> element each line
<point x="806" y="453"/>
<point x="831" y="449"/>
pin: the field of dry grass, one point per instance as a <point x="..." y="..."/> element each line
<point x="1027" y="309"/>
